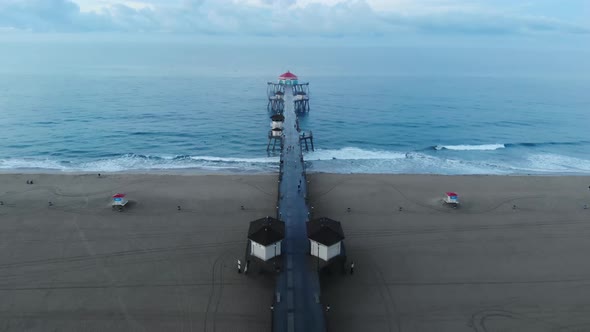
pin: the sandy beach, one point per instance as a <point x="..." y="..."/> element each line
<point x="512" y="257"/>
<point x="80" y="266"/>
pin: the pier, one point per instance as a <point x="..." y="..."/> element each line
<point x="297" y="304"/>
<point x="292" y="245"/>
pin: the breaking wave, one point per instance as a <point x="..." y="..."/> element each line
<point x="345" y="160"/>
<point x="493" y="147"/>
<point x="136" y="162"/>
<point x="482" y="147"/>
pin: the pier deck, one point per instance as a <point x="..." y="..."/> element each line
<point x="297" y="300"/>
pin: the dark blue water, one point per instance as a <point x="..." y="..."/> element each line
<point x="186" y="110"/>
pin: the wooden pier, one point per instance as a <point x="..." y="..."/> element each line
<point x="297" y="304"/>
<point x="305" y="138"/>
<point x="276" y="98"/>
<point x="301" y="97"/>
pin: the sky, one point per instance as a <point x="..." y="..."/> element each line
<point x="316" y="18"/>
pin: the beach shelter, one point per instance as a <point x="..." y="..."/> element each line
<point x="119" y="200"/>
<point x="325" y="238"/>
<point x="451" y="198"/>
<point x="265" y="237"/>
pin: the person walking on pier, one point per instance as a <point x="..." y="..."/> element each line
<point x="239" y="266"/>
<point x="352" y="268"/>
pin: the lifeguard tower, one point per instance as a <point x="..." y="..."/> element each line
<point x="119" y="201"/>
<point x="451" y="198"/>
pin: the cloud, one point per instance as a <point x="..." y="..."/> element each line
<point x="327" y="18"/>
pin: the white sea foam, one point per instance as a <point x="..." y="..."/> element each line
<point x="407" y="163"/>
<point x="133" y="162"/>
<point x="345" y="160"/>
<point x="140" y="162"/>
<point x="554" y="163"/>
<point x="350" y="153"/>
<point x="481" y="147"/>
<point x="31" y="163"/>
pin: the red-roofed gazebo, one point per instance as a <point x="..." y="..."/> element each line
<point x="288" y="75"/>
<point x="288" y="78"/>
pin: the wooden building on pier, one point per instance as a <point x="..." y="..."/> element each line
<point x="275" y="135"/>
<point x="326" y="242"/>
<point x="265" y="237"/>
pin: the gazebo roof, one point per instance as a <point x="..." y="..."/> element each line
<point x="266" y="231"/>
<point x="288" y="75"/>
<point x="325" y="231"/>
<point x="278" y="117"/>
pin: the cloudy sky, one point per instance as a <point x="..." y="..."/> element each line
<point x="318" y="17"/>
<point x="567" y="19"/>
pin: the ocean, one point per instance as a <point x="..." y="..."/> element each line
<point x="174" y="107"/>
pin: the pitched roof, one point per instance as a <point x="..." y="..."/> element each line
<point x="288" y="75"/>
<point x="266" y="231"/>
<point x="325" y="231"/>
<point x="278" y="117"/>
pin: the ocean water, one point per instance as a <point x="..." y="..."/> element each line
<point x="72" y="107"/>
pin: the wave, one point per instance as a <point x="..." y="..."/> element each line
<point x="423" y="163"/>
<point x="350" y="153"/>
<point x="493" y="147"/>
<point x="345" y="160"/>
<point x="541" y="144"/>
<point x="138" y="162"/>
<point x="482" y="147"/>
<point x="554" y="163"/>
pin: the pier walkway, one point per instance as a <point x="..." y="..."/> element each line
<point x="297" y="304"/>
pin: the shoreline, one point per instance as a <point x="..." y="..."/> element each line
<point x="197" y="172"/>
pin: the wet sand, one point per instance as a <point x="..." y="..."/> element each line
<point x="512" y="257"/>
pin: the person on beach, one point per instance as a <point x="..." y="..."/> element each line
<point x="352" y="268"/>
<point x="239" y="266"/>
